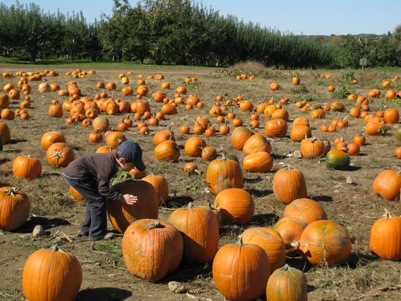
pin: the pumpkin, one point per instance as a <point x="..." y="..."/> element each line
<point x="51" y="274"/>
<point x="49" y="138"/>
<point x="240" y="271"/>
<point x="162" y="254"/>
<point x="287" y="283"/>
<point x="60" y="154"/>
<point x="235" y="205"/>
<point x="75" y="194"/>
<point x="194" y="146"/>
<point x="160" y="184"/>
<point x="239" y="136"/>
<point x="337" y="159"/>
<point x="270" y="241"/>
<point x="375" y="128"/>
<point x="14" y="208"/>
<point x="200" y="231"/>
<point x="115" y="138"/>
<point x="387" y="185"/>
<point x="306" y="210"/>
<point x="167" y="150"/>
<point x="385" y="237"/>
<point x="101" y="123"/>
<point x="391" y="115"/>
<point x="5" y="133"/>
<point x="288" y="185"/>
<point x="276" y="128"/>
<point x="290" y="230"/>
<point x="256" y="143"/>
<point x="27" y="167"/>
<point x="258" y="162"/>
<point x="223" y="173"/>
<point x="122" y="215"/>
<point x="312" y="148"/>
<point x="163" y="135"/>
<point x="325" y="243"/>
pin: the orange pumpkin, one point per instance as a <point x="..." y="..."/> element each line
<point x="15" y="207"/>
<point x="288" y="185"/>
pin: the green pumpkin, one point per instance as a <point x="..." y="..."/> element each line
<point x="337" y="159"/>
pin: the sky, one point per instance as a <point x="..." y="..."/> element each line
<point x="307" y="17"/>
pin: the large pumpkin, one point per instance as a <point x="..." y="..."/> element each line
<point x="287" y="283"/>
<point x="290" y="230"/>
<point x="167" y="150"/>
<point x="200" y="230"/>
<point x="4" y="133"/>
<point x="194" y="146"/>
<point x="270" y="241"/>
<point x="152" y="248"/>
<point x="305" y="209"/>
<point x="160" y="184"/>
<point x="288" y="185"/>
<point x="258" y="162"/>
<point x="337" y="159"/>
<point x="27" y="167"/>
<point x="239" y="136"/>
<point x="325" y="243"/>
<point x="387" y="185"/>
<point x="223" y="173"/>
<point x="276" y="128"/>
<point x="312" y="148"/>
<point x="235" y="205"/>
<point x="385" y="237"/>
<point x="240" y="271"/>
<point x="256" y="143"/>
<point x="14" y="208"/>
<point x="51" y="275"/>
<point x="122" y="215"/>
<point x="49" y="138"/>
<point x="60" y="154"/>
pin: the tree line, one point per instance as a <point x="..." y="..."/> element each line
<point x="179" y="32"/>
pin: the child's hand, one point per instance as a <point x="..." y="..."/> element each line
<point x="130" y="199"/>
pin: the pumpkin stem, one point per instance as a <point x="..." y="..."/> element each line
<point x="55" y="248"/>
<point x="239" y="241"/>
<point x="154" y="223"/>
<point x="13" y="191"/>
<point x="189" y="206"/>
<point x="387" y="214"/>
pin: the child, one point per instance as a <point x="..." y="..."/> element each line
<point x="90" y="175"/>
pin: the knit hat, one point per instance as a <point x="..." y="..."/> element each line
<point x="132" y="152"/>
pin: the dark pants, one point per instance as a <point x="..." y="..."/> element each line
<point x="95" y="223"/>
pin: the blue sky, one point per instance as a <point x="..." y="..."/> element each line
<point x="288" y="16"/>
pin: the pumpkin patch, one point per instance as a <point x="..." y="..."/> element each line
<point x="298" y="172"/>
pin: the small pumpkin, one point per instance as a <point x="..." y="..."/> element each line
<point x="49" y="138"/>
<point x="239" y="136"/>
<point x="167" y="150"/>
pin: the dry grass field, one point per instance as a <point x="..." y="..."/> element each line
<point x="345" y="195"/>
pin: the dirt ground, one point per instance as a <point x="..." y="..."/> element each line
<point x="346" y="196"/>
